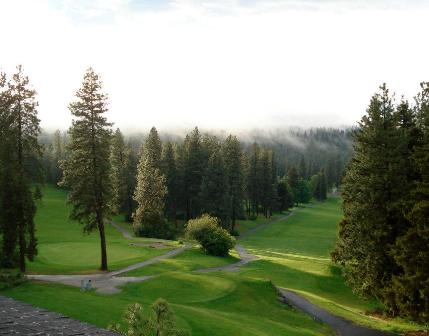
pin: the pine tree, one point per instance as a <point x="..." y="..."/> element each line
<point x="21" y="155"/>
<point x="293" y="181"/>
<point x="120" y="162"/>
<point x="8" y="178"/>
<point x="320" y="190"/>
<point x="233" y="158"/>
<point x="215" y="195"/>
<point x="150" y="190"/>
<point x="409" y="294"/>
<point x="285" y="197"/>
<point x="302" y="168"/>
<point x="274" y="182"/>
<point x="87" y="169"/>
<point x="58" y="154"/>
<point x="253" y="176"/>
<point x="266" y="186"/>
<point x="170" y="171"/>
<point x="372" y="219"/>
<point x="193" y="170"/>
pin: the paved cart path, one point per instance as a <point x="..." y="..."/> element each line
<point x="108" y="283"/>
<point x="341" y="326"/>
<point x="18" y="318"/>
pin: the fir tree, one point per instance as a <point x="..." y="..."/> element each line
<point x="170" y="171"/>
<point x="87" y="169"/>
<point x="253" y="176"/>
<point x="20" y="156"/>
<point x="409" y="294"/>
<point x="120" y="162"/>
<point x="150" y="190"/>
<point x="233" y="159"/>
<point x="58" y="154"/>
<point x="372" y="218"/>
<point x="193" y="170"/>
<point x="215" y="195"/>
<point x="285" y="196"/>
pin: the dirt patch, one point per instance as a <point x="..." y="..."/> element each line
<point x="417" y="333"/>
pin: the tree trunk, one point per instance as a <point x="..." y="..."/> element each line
<point x="100" y="222"/>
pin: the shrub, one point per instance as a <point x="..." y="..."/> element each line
<point x="161" y="322"/>
<point x="154" y="226"/>
<point x="207" y="231"/>
<point x="11" y="278"/>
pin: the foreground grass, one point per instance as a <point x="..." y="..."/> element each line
<point x="213" y="304"/>
<point x="295" y="254"/>
<point x="64" y="248"/>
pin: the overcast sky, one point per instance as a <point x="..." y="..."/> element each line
<point x="226" y="64"/>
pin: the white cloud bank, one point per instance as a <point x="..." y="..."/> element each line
<point x="217" y="64"/>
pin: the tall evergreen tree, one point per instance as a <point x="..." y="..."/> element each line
<point x="293" y="181"/>
<point x="8" y="178"/>
<point x="320" y="186"/>
<point x="21" y="154"/>
<point x="58" y="154"/>
<point x="372" y="218"/>
<point x="150" y="190"/>
<point x="233" y="158"/>
<point x="120" y="162"/>
<point x="86" y="171"/>
<point x="253" y="179"/>
<point x="302" y="168"/>
<point x="170" y="171"/>
<point x="285" y="196"/>
<point x="193" y="170"/>
<point x="266" y="186"/>
<point x="215" y="195"/>
<point x="409" y="294"/>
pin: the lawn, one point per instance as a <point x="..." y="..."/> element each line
<point x="207" y="304"/>
<point x="64" y="248"/>
<point x="295" y="254"/>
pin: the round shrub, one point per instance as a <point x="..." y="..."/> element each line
<point x="212" y="238"/>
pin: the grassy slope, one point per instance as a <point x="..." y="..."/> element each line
<point x="64" y="248"/>
<point x="295" y="254"/>
<point x="208" y="304"/>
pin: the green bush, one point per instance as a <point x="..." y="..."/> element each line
<point x="11" y="278"/>
<point x="160" y="322"/>
<point x="207" y="231"/>
<point x="155" y="226"/>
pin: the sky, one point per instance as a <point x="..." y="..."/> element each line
<point x="225" y="64"/>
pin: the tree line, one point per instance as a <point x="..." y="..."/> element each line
<point x="383" y="240"/>
<point x="158" y="185"/>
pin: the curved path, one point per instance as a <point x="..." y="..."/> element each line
<point x="341" y="326"/>
<point x="124" y="232"/>
<point x="245" y="256"/>
<point x="108" y="283"/>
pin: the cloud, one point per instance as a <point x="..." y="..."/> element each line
<point x="218" y="64"/>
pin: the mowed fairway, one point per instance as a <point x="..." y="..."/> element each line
<point x="214" y="304"/>
<point x="64" y="248"/>
<point x="295" y="254"/>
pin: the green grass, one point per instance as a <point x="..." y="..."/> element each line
<point x="64" y="248"/>
<point x="295" y="254"/>
<point x="207" y="304"/>
<point x="189" y="260"/>
<point x="244" y="225"/>
<point x="215" y="305"/>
